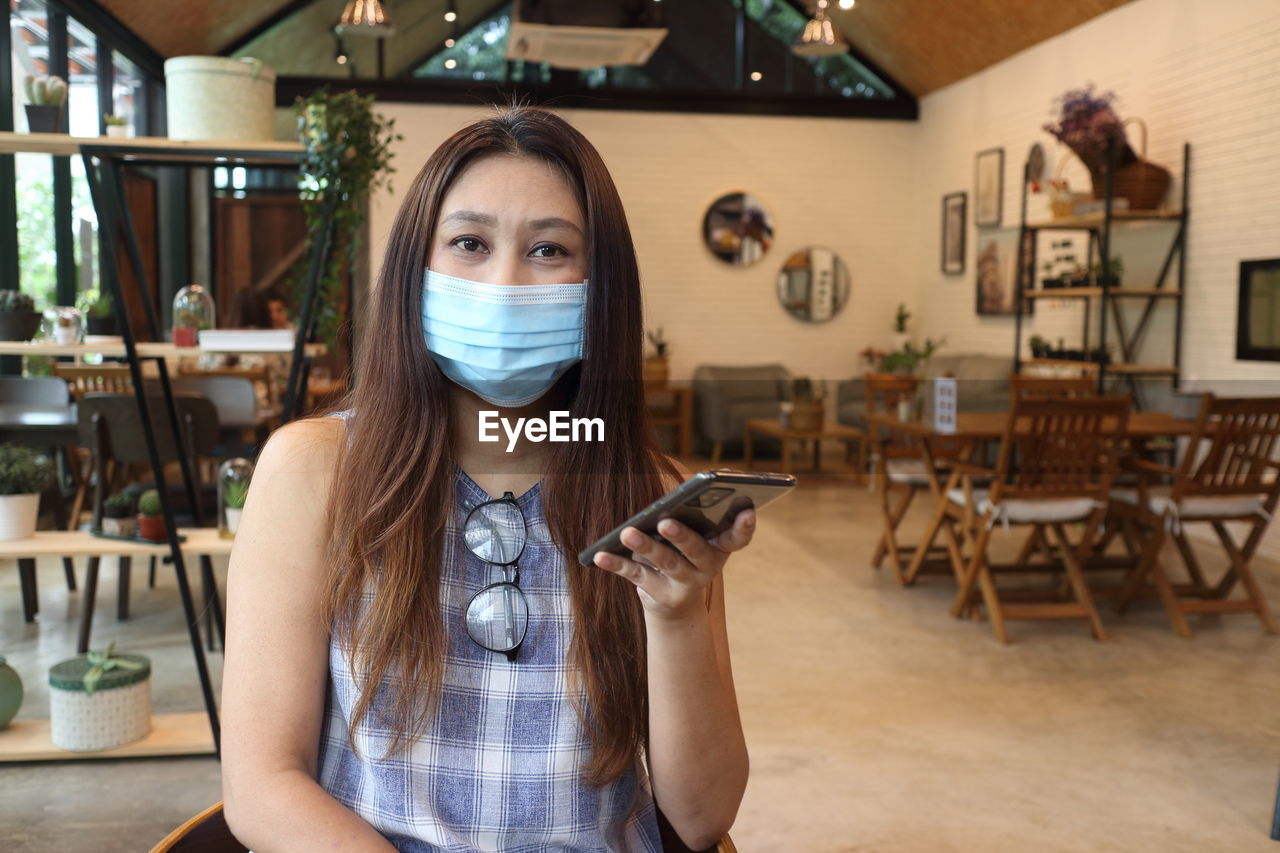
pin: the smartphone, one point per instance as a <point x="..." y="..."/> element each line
<point x="707" y="502"/>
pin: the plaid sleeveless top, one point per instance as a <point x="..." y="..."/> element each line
<point x="498" y="767"/>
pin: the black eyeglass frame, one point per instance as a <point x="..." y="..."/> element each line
<point x="514" y="564"/>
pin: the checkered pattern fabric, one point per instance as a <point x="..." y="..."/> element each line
<point x="498" y="768"/>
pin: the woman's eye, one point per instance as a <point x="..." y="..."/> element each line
<point x="548" y="250"/>
<point x="468" y="244"/>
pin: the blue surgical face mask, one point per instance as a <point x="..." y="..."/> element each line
<point x="508" y="344"/>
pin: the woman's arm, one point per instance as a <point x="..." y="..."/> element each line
<point x="276" y="665"/>
<point x="697" y="753"/>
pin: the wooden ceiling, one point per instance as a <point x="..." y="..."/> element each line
<point x="923" y="44"/>
<point x="928" y="44"/>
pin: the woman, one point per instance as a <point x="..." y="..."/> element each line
<point x="613" y="698"/>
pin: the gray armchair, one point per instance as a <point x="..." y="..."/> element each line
<point x="851" y="403"/>
<point x="724" y="398"/>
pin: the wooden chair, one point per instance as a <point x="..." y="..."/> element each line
<point x="1228" y="474"/>
<point x="899" y="465"/>
<point x="84" y="379"/>
<point x="1066" y="453"/>
<point x="259" y="376"/>
<point x="1021" y="386"/>
<point x="208" y="832"/>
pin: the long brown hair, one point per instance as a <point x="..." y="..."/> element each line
<point x="394" y="485"/>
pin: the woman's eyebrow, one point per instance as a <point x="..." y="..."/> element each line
<point x="549" y="222"/>
<point x="471" y="216"/>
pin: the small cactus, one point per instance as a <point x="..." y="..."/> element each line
<point x="149" y="503"/>
<point x="45" y="91"/>
<point x="13" y="301"/>
<point x="118" y="506"/>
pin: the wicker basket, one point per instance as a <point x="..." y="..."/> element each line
<point x="808" y="415"/>
<point x="1141" y="182"/>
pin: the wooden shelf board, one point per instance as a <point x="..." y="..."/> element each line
<point x="145" y="350"/>
<point x="171" y="734"/>
<point x="1083" y="292"/>
<point x="82" y="543"/>
<point x="1148" y="369"/>
<point x="1097" y="220"/>
<point x="61" y="143"/>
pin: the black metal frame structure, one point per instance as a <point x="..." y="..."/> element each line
<point x="1100" y="241"/>
<point x="104" y="164"/>
<point x="1246" y="349"/>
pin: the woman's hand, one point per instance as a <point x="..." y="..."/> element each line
<point x="672" y="581"/>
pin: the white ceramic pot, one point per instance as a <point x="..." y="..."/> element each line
<point x="117" y="131"/>
<point x="18" y="516"/>
<point x="66" y="335"/>
<point x="233" y="518"/>
<point x="220" y="97"/>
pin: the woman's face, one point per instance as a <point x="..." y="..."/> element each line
<point x="510" y="220"/>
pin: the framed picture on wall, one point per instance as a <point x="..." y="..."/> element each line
<point x="955" y="221"/>
<point x="988" y="189"/>
<point x="996" y="259"/>
<point x="1258" y="311"/>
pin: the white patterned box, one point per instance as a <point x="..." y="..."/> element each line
<point x="118" y="711"/>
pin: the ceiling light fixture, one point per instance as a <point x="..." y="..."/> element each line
<point x="340" y="55"/>
<point x="450" y="12"/>
<point x="848" y="4"/>
<point x="449" y="42"/>
<point x="820" y="37"/>
<point x="364" y="18"/>
<point x="756" y="75"/>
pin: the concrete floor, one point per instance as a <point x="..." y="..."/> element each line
<point x="876" y="722"/>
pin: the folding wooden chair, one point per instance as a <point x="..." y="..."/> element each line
<point x="1056" y="464"/>
<point x="1228" y="474"/>
<point x="899" y="465"/>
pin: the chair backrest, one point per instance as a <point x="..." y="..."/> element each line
<point x="766" y="382"/>
<point x="207" y="832"/>
<point x="42" y="390"/>
<point x="126" y="442"/>
<point x="884" y="391"/>
<point x="256" y="375"/>
<point x="1051" y="386"/>
<point x="95" y="378"/>
<point x="1061" y="447"/>
<point x="232" y="396"/>
<point x="1232" y="449"/>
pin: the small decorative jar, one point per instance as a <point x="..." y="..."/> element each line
<point x="64" y="324"/>
<point x="233" y="487"/>
<point x="10" y="693"/>
<point x="87" y="715"/>
<point x="192" y="311"/>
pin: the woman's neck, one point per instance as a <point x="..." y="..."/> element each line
<point x="506" y="462"/>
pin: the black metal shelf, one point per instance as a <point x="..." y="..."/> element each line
<point x="1100" y="226"/>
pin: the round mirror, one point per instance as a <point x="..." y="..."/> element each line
<point x="813" y="284"/>
<point x="738" y="229"/>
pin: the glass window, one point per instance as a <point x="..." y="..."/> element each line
<point x="29" y="29"/>
<point x="127" y="93"/>
<point x="82" y="80"/>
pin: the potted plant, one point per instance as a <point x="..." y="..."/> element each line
<point x="1109" y="278"/>
<point x="45" y="97"/>
<point x="909" y="357"/>
<point x="1039" y="347"/>
<point x="10" y="693"/>
<point x="348" y="152"/>
<point x="900" y="335"/>
<point x="807" y="409"/>
<point x="1089" y="126"/>
<point x="64" y="324"/>
<point x="1100" y="355"/>
<point x="118" y="516"/>
<point x="150" y="517"/>
<point x="96" y="307"/>
<point x="656" y="369"/>
<point x="24" y="474"/>
<point x="233" y="497"/>
<point x="117" y="126"/>
<point x="19" y="320"/>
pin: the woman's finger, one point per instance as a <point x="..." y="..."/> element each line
<point x="665" y="558"/>
<point x="739" y="535"/>
<point x="691" y="544"/>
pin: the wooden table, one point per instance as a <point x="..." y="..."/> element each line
<point x="771" y="427"/>
<point x="680" y="415"/>
<point x="973" y="429"/>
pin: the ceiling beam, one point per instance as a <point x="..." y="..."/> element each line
<point x="426" y="90"/>
<point x="288" y="10"/>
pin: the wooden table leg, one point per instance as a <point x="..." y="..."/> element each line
<point x="30" y="596"/>
<point x="746" y="448"/>
<point x="817" y="454"/>
<point x="686" y="423"/>
<point x="786" y="455"/>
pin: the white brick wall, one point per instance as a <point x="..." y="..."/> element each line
<point x="1203" y="71"/>
<point x="830" y="182"/>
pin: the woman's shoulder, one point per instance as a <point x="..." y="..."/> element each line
<point x="305" y="445"/>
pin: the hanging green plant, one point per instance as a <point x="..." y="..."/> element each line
<point x="348" y="151"/>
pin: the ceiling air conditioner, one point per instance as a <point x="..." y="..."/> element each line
<point x="568" y="34"/>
